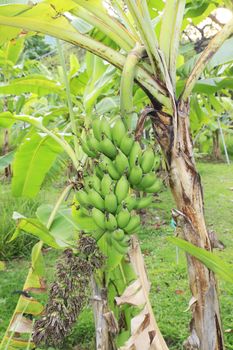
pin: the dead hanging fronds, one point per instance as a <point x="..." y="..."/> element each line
<point x="68" y="294"/>
<point x="145" y="333"/>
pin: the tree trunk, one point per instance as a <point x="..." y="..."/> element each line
<point x="104" y="338"/>
<point x="185" y="183"/>
<point x="216" y="145"/>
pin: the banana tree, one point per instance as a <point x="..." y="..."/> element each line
<point x="207" y="102"/>
<point x="146" y="46"/>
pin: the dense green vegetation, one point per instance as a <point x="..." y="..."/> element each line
<point x="170" y="291"/>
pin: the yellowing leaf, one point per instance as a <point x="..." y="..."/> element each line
<point x="29" y="306"/>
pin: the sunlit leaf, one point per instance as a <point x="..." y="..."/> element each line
<point x="33" y="160"/>
<point x="37" y="229"/>
<point x="32" y="84"/>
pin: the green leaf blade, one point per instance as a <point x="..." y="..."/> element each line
<point x="209" y="259"/>
<point x="32" y="161"/>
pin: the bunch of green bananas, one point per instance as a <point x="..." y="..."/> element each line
<point x="110" y="205"/>
<point x="119" y="154"/>
<point x="123" y="166"/>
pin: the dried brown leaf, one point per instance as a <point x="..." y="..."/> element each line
<point x="21" y="324"/>
<point x="145" y="333"/>
<point x="132" y="295"/>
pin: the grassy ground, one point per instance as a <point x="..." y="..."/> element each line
<point x="167" y="270"/>
<point x="170" y="292"/>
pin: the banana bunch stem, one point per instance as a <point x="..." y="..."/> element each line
<point x="127" y="82"/>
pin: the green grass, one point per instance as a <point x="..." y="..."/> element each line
<point x="169" y="291"/>
<point x="27" y="207"/>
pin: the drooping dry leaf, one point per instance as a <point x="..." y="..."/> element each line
<point x="132" y="295"/>
<point x="21" y="324"/>
<point x="140" y="330"/>
<point x="145" y="334"/>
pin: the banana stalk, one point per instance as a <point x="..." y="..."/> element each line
<point x="127" y="81"/>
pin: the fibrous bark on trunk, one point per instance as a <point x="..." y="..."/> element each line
<point x="185" y="183"/>
<point x="105" y="326"/>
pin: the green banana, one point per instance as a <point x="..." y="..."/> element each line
<point x="135" y="175"/>
<point x="133" y="224"/>
<point x="124" y="242"/>
<point x="98" y="218"/>
<point x="93" y="182"/>
<point x="122" y="189"/>
<point x="104" y="162"/>
<point x="147" y="162"/>
<point x="123" y="218"/>
<point x="92" y="144"/>
<point x="130" y="202"/>
<point x="85" y="212"/>
<point x="113" y="171"/>
<point x="107" y="147"/>
<point x="95" y="199"/>
<point x="144" y="202"/>
<point x="127" y="144"/>
<point x="110" y="203"/>
<point x="99" y="172"/>
<point x="105" y="128"/>
<point x="118" y="247"/>
<point x="82" y="198"/>
<point x="96" y="183"/>
<point x="96" y="129"/>
<point x="118" y="235"/>
<point x="106" y="184"/>
<point x="121" y="162"/>
<point x="87" y="150"/>
<point x="155" y="187"/>
<point x="118" y="131"/>
<point x="110" y="222"/>
<point x="135" y="154"/>
<point x="147" y="180"/>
